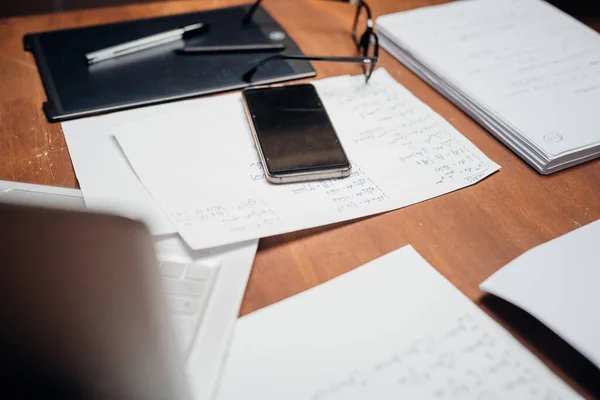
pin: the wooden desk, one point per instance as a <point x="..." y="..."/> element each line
<point x="466" y="235"/>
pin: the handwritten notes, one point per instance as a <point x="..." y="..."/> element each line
<point x="523" y="64"/>
<point x="249" y="213"/>
<point x="461" y="361"/>
<point x="201" y="164"/>
<point x="401" y="331"/>
<point x="394" y="124"/>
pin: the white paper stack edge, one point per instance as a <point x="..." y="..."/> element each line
<point x="396" y="37"/>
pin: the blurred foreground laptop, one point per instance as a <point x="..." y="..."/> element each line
<point x="203" y="290"/>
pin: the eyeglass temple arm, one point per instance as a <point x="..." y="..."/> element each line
<point x="375" y="45"/>
<point x="367" y="8"/>
<point x="361" y="4"/>
<point x="248" y="17"/>
<point x="247" y="77"/>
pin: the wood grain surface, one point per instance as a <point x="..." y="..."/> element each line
<point x="466" y="235"/>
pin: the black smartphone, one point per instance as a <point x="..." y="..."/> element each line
<point x="294" y="136"/>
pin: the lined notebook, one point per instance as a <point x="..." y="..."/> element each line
<point x="392" y="329"/>
<point x="527" y="72"/>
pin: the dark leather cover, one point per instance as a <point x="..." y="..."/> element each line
<point x="157" y="75"/>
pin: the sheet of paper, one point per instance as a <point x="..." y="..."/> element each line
<point x="204" y="364"/>
<point x="202" y="167"/>
<point x="206" y="361"/>
<point x="557" y="283"/>
<point x="107" y="181"/>
<point x="535" y="68"/>
<point x="391" y="329"/>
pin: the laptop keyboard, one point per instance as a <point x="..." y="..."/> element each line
<point x="187" y="288"/>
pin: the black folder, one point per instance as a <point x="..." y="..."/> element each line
<point x="76" y="89"/>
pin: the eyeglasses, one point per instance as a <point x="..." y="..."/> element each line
<point x="363" y="43"/>
<point x="367" y="43"/>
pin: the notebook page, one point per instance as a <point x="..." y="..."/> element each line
<point x="533" y="66"/>
<point x="557" y="283"/>
<point x="391" y="329"/>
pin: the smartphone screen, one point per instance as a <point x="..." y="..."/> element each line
<point x="294" y="130"/>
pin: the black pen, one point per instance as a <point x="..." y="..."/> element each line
<point x="240" y="48"/>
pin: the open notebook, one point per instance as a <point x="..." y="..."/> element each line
<point x="557" y="283"/>
<point x="527" y="72"/>
<point x="391" y="329"/>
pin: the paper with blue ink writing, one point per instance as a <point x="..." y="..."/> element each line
<point x="201" y="166"/>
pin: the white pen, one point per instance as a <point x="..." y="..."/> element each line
<point x="141" y="44"/>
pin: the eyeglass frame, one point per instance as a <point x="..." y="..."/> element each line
<point x="363" y="42"/>
<point x="366" y="61"/>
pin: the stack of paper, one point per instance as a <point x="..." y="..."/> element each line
<point x="527" y="72"/>
<point x="200" y="165"/>
<point x="392" y="329"/>
<point x="109" y="185"/>
<point x="557" y="283"/>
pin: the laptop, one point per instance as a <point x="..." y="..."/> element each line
<point x="202" y="289"/>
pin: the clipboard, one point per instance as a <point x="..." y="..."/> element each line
<point x="76" y="89"/>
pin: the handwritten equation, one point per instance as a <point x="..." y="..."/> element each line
<point x="256" y="171"/>
<point x="399" y="128"/>
<point x="244" y="215"/>
<point x="464" y="361"/>
<point x="349" y="193"/>
<point x="355" y="191"/>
